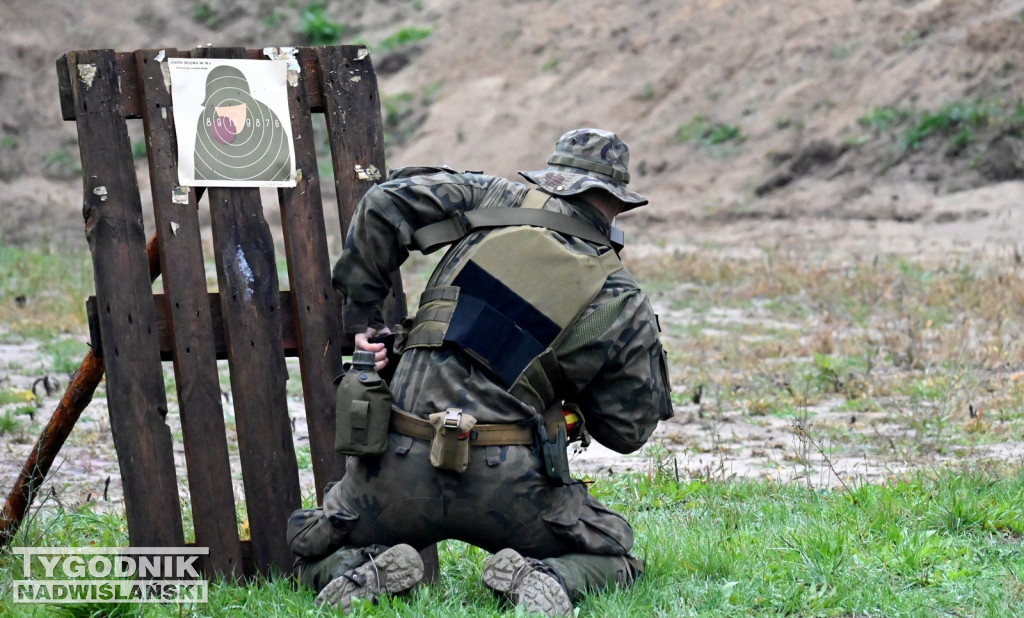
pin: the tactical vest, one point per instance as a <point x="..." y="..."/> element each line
<point x="511" y="298"/>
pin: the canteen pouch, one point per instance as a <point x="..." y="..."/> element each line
<point x="449" y="448"/>
<point x="362" y="414"/>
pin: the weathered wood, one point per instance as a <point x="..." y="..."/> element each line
<point x="133" y="103"/>
<point x="352" y="109"/>
<point x="351" y="103"/>
<point x="260" y="324"/>
<point x="251" y="309"/>
<point x="289" y="340"/>
<point x="195" y="359"/>
<point x="315" y="303"/>
<point x="114" y="229"/>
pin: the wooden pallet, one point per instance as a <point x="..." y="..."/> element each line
<point x="249" y="321"/>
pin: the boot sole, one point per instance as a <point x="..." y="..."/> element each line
<point x="509" y="573"/>
<point x="399" y="568"/>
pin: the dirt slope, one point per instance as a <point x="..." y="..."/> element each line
<point x="496" y="82"/>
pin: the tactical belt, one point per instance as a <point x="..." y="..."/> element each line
<point x="481" y="435"/>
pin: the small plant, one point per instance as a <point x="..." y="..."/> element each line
<point x="647" y="92"/>
<point x="405" y="36"/>
<point x="60" y="163"/>
<point x="722" y="133"/>
<point x="693" y="129"/>
<point x="205" y="14"/>
<point x="65" y="354"/>
<point x="881" y="118"/>
<point x="961" y="117"/>
<point x="303" y="458"/>
<point x="274" y="19"/>
<point x="550" y="65"/>
<point x="709" y="134"/>
<point x="9" y="423"/>
<point x="8" y="141"/>
<point x="317" y="27"/>
<point x="138" y="150"/>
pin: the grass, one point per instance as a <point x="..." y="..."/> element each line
<point x="944" y="543"/>
<point x="43" y="289"/>
<point x="959" y="122"/>
<point x="933" y="344"/>
<point x="403" y="37"/>
<point x="317" y="27"/>
<point x="700" y="128"/>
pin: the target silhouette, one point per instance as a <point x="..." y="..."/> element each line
<point x="239" y="138"/>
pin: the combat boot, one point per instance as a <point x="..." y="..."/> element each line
<point x="394" y="570"/>
<point x="524" y="582"/>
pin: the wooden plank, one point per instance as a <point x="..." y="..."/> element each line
<point x="247" y="276"/>
<point x="351" y="102"/>
<point x="289" y="339"/>
<point x="114" y="229"/>
<point x="356" y="130"/>
<point x="318" y="327"/>
<point x="132" y="102"/>
<point x="187" y="301"/>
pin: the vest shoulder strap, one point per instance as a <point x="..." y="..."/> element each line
<point x="431" y="237"/>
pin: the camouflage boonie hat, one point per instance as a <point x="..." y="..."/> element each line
<point x="588" y="159"/>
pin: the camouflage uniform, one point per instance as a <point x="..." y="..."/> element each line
<point x="504" y="499"/>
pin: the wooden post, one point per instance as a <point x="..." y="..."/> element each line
<point x="195" y="358"/>
<point x="250" y="306"/>
<point x="113" y="224"/>
<point x="315" y="303"/>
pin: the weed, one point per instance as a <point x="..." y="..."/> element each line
<point x="962" y="117"/>
<point x="8" y="141"/>
<point x="43" y="289"/>
<point x="60" y="163"/>
<point x="550" y="65"/>
<point x="138" y="150"/>
<point x="646" y="92"/>
<point x="203" y="13"/>
<point x="9" y="422"/>
<point x="709" y="134"/>
<point x="274" y="19"/>
<point x="303" y="458"/>
<point x="882" y="118"/>
<point x="722" y="133"/>
<point x="405" y="36"/>
<point x="691" y="130"/>
<point x="317" y="27"/>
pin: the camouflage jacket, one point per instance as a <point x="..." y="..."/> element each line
<point x="619" y="380"/>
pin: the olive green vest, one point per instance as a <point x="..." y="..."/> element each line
<point x="512" y="298"/>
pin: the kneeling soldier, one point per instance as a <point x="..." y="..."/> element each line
<point x="530" y="316"/>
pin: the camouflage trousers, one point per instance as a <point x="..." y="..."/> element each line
<point x="502" y="500"/>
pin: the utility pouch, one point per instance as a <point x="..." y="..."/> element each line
<point x="363" y="412"/>
<point x="449" y="448"/>
<point x="555" y="454"/>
